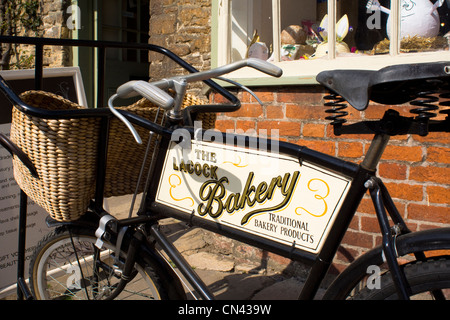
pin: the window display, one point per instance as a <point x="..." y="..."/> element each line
<point x="289" y="30"/>
<point x="423" y="25"/>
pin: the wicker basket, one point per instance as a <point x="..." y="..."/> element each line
<point x="125" y="156"/>
<point x="64" y="152"/>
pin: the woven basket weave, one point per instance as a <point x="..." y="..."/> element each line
<point x="64" y="152"/>
<point x="125" y="156"/>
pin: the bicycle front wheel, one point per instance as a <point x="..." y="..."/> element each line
<point x="67" y="266"/>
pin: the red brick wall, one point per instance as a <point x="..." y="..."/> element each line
<point x="415" y="169"/>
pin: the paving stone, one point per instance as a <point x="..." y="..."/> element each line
<point x="288" y="289"/>
<point x="190" y="241"/>
<point x="244" y="286"/>
<point x="210" y="261"/>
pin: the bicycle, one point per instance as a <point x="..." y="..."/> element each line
<point x="210" y="180"/>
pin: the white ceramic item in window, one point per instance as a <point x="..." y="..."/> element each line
<point x="418" y="17"/>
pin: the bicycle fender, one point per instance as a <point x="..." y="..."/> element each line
<point x="420" y="241"/>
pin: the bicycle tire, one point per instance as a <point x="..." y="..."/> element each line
<point x="422" y="276"/>
<point x="73" y="277"/>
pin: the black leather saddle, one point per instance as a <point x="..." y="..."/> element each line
<point x="391" y="85"/>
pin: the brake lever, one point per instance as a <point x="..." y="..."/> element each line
<point x="122" y="118"/>
<point x="135" y="88"/>
<point x="241" y="86"/>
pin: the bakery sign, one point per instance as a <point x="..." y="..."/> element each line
<point x="267" y="194"/>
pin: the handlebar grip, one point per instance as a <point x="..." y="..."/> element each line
<point x="258" y="64"/>
<point x="265" y="67"/>
<point x="147" y="90"/>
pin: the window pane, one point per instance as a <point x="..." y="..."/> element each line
<point x="252" y="27"/>
<point x="144" y="16"/>
<point x="358" y="29"/>
<point x="423" y="25"/>
<point x="299" y="27"/>
<point x="130" y="14"/>
<point x="251" y="22"/>
<point x="111" y="20"/>
<point x="130" y="54"/>
<point x="368" y="25"/>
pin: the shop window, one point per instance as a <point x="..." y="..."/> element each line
<point x="125" y="21"/>
<point x="307" y="36"/>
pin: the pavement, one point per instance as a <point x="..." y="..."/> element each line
<point x="229" y="278"/>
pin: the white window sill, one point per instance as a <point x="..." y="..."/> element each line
<point x="303" y="72"/>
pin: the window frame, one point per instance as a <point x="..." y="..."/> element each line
<point x="304" y="72"/>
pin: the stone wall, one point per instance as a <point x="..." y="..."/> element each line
<point x="54" y="19"/>
<point x="54" y="16"/>
<point x="183" y="27"/>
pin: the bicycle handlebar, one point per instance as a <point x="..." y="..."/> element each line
<point x="155" y="91"/>
<point x="258" y="64"/>
<point x="147" y="90"/>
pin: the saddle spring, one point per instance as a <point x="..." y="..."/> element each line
<point x="428" y="100"/>
<point x="338" y="105"/>
<point x="444" y="100"/>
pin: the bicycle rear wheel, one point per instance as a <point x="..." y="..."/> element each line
<point x="428" y="280"/>
<point x="66" y="265"/>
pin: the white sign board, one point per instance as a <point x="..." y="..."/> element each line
<point x="9" y="221"/>
<point x="266" y="194"/>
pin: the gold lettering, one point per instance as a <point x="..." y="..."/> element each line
<point x="198" y="169"/>
<point x="190" y="167"/>
<point x="183" y="166"/>
<point x="213" y="193"/>
<point x="276" y="182"/>
<point x="205" y="155"/>
<point x="287" y="190"/>
<point x="206" y="170"/>
<point x="261" y="192"/>
<point x="248" y="189"/>
<point x="213" y="172"/>
<point x="232" y="203"/>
